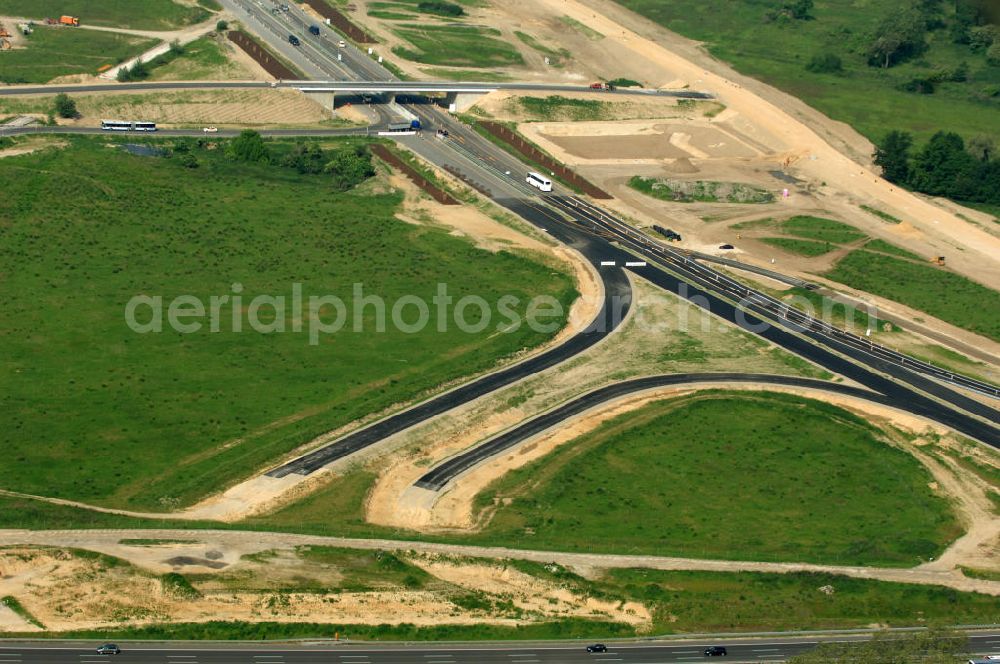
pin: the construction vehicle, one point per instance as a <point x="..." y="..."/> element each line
<point x="938" y="260"/>
<point x="671" y="235"/>
<point x="63" y="20"/>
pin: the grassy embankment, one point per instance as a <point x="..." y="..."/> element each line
<point x="99" y="413"/>
<point x="868" y="98"/>
<point x="456" y="46"/>
<point x="727" y="476"/>
<point x="144" y="15"/>
<point x="923" y="286"/>
<point x="811" y="236"/>
<point x="53" y="52"/>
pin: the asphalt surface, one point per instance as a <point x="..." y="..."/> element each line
<point x="437" y="478"/>
<point x="770" y="649"/>
<point x="222" y="133"/>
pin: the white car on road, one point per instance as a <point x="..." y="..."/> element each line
<point x="210" y="130"/>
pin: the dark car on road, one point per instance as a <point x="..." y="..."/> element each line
<point x="109" y="649"/>
<point x="293" y="40"/>
<point x="597" y="647"/>
<point x="715" y="651"/>
<point x="314" y="29"/>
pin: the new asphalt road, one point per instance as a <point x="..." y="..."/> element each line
<point x="739" y="650"/>
<point x="441" y="475"/>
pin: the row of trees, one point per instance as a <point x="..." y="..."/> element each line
<point x="347" y="167"/>
<point x="945" y="166"/>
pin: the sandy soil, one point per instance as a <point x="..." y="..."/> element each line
<point x="806" y="153"/>
<point x="65" y="591"/>
<point x="627" y="141"/>
<point x="504" y="105"/>
<point x="533" y="594"/>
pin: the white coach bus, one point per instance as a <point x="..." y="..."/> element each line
<point x="118" y="125"/>
<point x="540" y="181"/>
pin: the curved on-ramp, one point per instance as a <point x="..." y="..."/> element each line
<point x="439" y="477"/>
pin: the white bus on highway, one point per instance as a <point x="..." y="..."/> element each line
<point x="540" y="181"/>
<point x="119" y="125"/>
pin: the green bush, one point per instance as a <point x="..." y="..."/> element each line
<point x="65" y="107"/>
<point x="825" y="63"/>
<point x="248" y="146"/>
<point x="441" y="8"/>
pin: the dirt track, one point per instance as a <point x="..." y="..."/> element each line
<point x="107" y="541"/>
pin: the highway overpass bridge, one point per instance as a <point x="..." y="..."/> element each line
<point x="460" y="93"/>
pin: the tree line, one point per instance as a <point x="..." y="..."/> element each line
<point x="946" y="165"/>
<point x="347" y="166"/>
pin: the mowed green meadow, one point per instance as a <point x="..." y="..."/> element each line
<point x="94" y="411"/>
<point x="53" y="52"/>
<point x="134" y="14"/>
<point x="747" y="476"/>
<point x="909" y="280"/>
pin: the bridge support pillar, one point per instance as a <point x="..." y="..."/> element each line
<point x="459" y="102"/>
<point x="324" y="99"/>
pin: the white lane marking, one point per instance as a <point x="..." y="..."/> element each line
<point x="607" y="262"/>
<point x="635" y="263"/>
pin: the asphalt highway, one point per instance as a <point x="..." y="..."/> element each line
<point x="661" y="652"/>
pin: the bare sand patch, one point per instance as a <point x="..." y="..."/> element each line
<point x="64" y="591"/>
<point x="627" y="141"/>
<point x="531" y="593"/>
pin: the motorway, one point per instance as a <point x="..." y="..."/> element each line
<point x="601" y="238"/>
<point x="769" y="649"/>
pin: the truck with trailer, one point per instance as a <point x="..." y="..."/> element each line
<point x="412" y="125"/>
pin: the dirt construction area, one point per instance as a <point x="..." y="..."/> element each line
<point x="220" y="107"/>
<point x="639" y="140"/>
<point x="63" y="588"/>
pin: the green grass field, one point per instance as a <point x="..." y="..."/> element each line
<point x="727" y="476"/>
<point x="743" y="602"/>
<point x="820" y="229"/>
<point x="945" y="295"/>
<point x="456" y="46"/>
<point x="137" y="15"/>
<point x="564" y="108"/>
<point x="53" y="52"/>
<point x="884" y="247"/>
<point x="807" y="248"/>
<point x="201" y="59"/>
<point x="97" y="412"/>
<point x="867" y="98"/>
